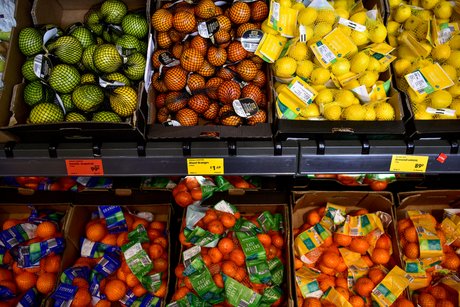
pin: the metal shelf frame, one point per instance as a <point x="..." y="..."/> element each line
<point x="289" y="158"/>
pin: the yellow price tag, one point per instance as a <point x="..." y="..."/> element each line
<point x="205" y="166"/>
<point x="409" y="164"/>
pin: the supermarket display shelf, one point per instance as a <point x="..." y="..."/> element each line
<point x="235" y="158"/>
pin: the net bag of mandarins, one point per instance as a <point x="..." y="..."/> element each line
<point x="123" y="258"/>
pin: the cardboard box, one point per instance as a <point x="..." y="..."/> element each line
<point x="206" y="129"/>
<point x="61" y="13"/>
<point x="304" y="201"/>
<point x="273" y="203"/>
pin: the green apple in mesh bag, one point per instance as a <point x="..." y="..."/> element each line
<point x="64" y="78"/>
<point x="88" y="78"/>
<point x="129" y="42"/>
<point x="67" y="102"/>
<point x="134" y="66"/>
<point x="84" y="36"/>
<point x="106" y="58"/>
<point x="113" y="11"/>
<point x="123" y="101"/>
<point x="93" y="22"/>
<point x="67" y="48"/>
<point x="28" y="70"/>
<point x="117" y="77"/>
<point x="46" y="113"/>
<point x="75" y="117"/>
<point x="135" y="25"/>
<point x="88" y="97"/>
<point x="36" y="92"/>
<point x="30" y="41"/>
<point x="87" y="58"/>
<point x="106" y="116"/>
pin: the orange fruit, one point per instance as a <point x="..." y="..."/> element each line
<point x="219" y="281"/>
<point x="139" y="221"/>
<point x="7" y="258"/>
<point x="444" y="303"/>
<point x="158" y="225"/>
<point x="326" y="270"/>
<point x="228" y="91"/>
<point x="215" y="254"/>
<point x="326" y="283"/>
<point x="410" y="234"/>
<point x="160" y="265"/>
<point x="356" y="301"/>
<point x="161" y="292"/>
<point x="403" y="224"/>
<point x="139" y="290"/>
<point x="46" y="282"/>
<point x="180" y="293"/>
<point x="80" y="282"/>
<point x="216" y="227"/>
<point x="122" y="239"/>
<point x="225" y="245"/>
<point x="376" y="275"/>
<point x="229" y="268"/>
<point x="438" y="292"/>
<point x="209" y="216"/>
<point x="403" y="302"/>
<point x="278" y="240"/>
<point x="239" y="12"/>
<point x="191" y="59"/>
<point x="17" y="270"/>
<point x="359" y="245"/>
<point x="46" y="230"/>
<point x="311" y="302"/>
<point x="259" y="10"/>
<point x="110" y="239"/>
<point x="25" y="281"/>
<point x="179" y="270"/>
<point x="192" y="182"/>
<point x="207" y="260"/>
<point x="361" y="211"/>
<point x="228" y="220"/>
<point x="328" y="242"/>
<point x="342" y="240"/>
<point x="330" y="259"/>
<point x="10" y="223"/>
<point x="96" y="232"/>
<point x="380" y="256"/>
<point x="265" y="239"/>
<point x="238" y="256"/>
<point x="344" y="292"/>
<point x="313" y="217"/>
<point x="451" y="261"/>
<point x="83" y="261"/>
<point x="52" y="263"/>
<point x="184" y="21"/>
<point x="411" y="250"/>
<point x="426" y="300"/>
<point x="131" y="280"/>
<point x="155" y="251"/>
<point x="82" y="298"/>
<point x="115" y="290"/>
<point x="364" y="286"/>
<point x="341" y="267"/>
<point x="5" y="274"/>
<point x="383" y="242"/>
<point x="162" y="20"/>
<point x="103" y="303"/>
<point x="341" y="282"/>
<point x="240" y="274"/>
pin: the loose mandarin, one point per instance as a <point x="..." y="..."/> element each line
<point x="237" y="256"/>
<point x="82" y="298"/>
<point x="311" y="302"/>
<point x="46" y="282"/>
<point x="313" y="217"/>
<point x="110" y="239"/>
<point x="364" y="286"/>
<point x="216" y="227"/>
<point x="410" y="234"/>
<point x="52" y="263"/>
<point x="80" y="282"/>
<point x="155" y="251"/>
<point x="228" y="220"/>
<point x="356" y="301"/>
<point x="225" y="245"/>
<point x="411" y="250"/>
<point x="376" y="275"/>
<point x="426" y="300"/>
<point x="96" y="232"/>
<point x="215" y="254"/>
<point x="46" y="230"/>
<point x="115" y="290"/>
<point x="25" y="281"/>
<point x="161" y="292"/>
<point x="342" y="240"/>
<point x="139" y="290"/>
<point x="383" y="242"/>
<point x="359" y="245"/>
<point x="344" y="292"/>
<point x="380" y="256"/>
<point x="265" y="239"/>
<point x="218" y="280"/>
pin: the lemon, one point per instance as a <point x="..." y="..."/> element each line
<point x="412" y="23"/>
<point x="298" y="6"/>
<point x="455" y="105"/>
<point x="285" y="67"/>
<point x="384" y="111"/>
<point x="378" y="33"/>
<point x="441" y="53"/>
<point x="374" y="64"/>
<point x="446" y="116"/>
<point x="450" y="71"/>
<point x="340" y="67"/>
<point x="351" y="84"/>
<point x="324" y="96"/>
<point x="307" y="16"/>
<point x="420" y="112"/>
<point x="326" y="16"/>
<point x="424" y="15"/>
<point x="405" y="52"/>
<point x="345" y="98"/>
<point x="281" y="86"/>
<point x="359" y="17"/>
<point x="320" y="75"/>
<point x="455" y="42"/>
<point x="312" y="110"/>
<point x="332" y="111"/>
<point x="298" y="51"/>
<point x="308" y="32"/>
<point x="318" y="87"/>
<point x="393" y="27"/>
<point x="394" y="3"/>
<point x="429" y="4"/>
<point x="427" y="46"/>
<point x="401" y="67"/>
<point x="454" y="59"/>
<point x="440" y="99"/>
<point x="393" y="41"/>
<point x="345" y="30"/>
<point x="443" y="10"/>
<point x="342" y="12"/>
<point x="454" y="90"/>
<point x="359" y="62"/>
<point x="354" y="112"/>
<point x="359" y="38"/>
<point x="341" y="4"/>
<point x="415" y="97"/>
<point x="304" y="68"/>
<point x="322" y="28"/>
<point x="402" y="13"/>
<point x="370" y="113"/>
<point x="369" y="78"/>
<point x="285" y="3"/>
<point x="267" y="29"/>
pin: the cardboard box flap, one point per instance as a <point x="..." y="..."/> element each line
<point x="426" y="199"/>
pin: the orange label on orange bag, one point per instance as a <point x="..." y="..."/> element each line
<point x="90" y="167"/>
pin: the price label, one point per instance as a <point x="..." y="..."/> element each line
<point x="409" y="164"/>
<point x="205" y="166"/>
<point x="90" y="167"/>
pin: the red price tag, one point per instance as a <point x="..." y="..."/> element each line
<point x="91" y="167"/>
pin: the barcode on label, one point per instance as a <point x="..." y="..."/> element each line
<point x="409" y="278"/>
<point x="326" y="54"/>
<point x="251" y="47"/>
<point x="145" y="261"/>
<point x="303" y="34"/>
<point x="301" y="92"/>
<point x="276" y="12"/>
<point x="444" y="35"/>
<point x="352" y="25"/>
<point x="417" y="81"/>
<point x="52" y="243"/>
<point x="263" y="220"/>
<point x="243" y="303"/>
<point x="252" y="270"/>
<point x="354" y="231"/>
<point x="420" y="229"/>
<point x="376" y="292"/>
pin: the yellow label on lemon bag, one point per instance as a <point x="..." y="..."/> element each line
<point x="334" y="45"/>
<point x="333" y="296"/>
<point x="414" y="45"/>
<point x="287" y="24"/>
<point x="428" y="79"/>
<point x="388" y="290"/>
<point x="310" y="239"/>
<point x="270" y="47"/>
<point x="429" y="242"/>
<point x="295" y="98"/>
<point x="306" y="279"/>
<point x="442" y="33"/>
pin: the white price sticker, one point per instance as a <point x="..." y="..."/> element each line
<point x="444" y="35"/>
<point x="301" y="92"/>
<point x="326" y="54"/>
<point x="353" y="25"/>
<point x="275" y="12"/>
<point x="449" y="112"/>
<point x="417" y="81"/>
